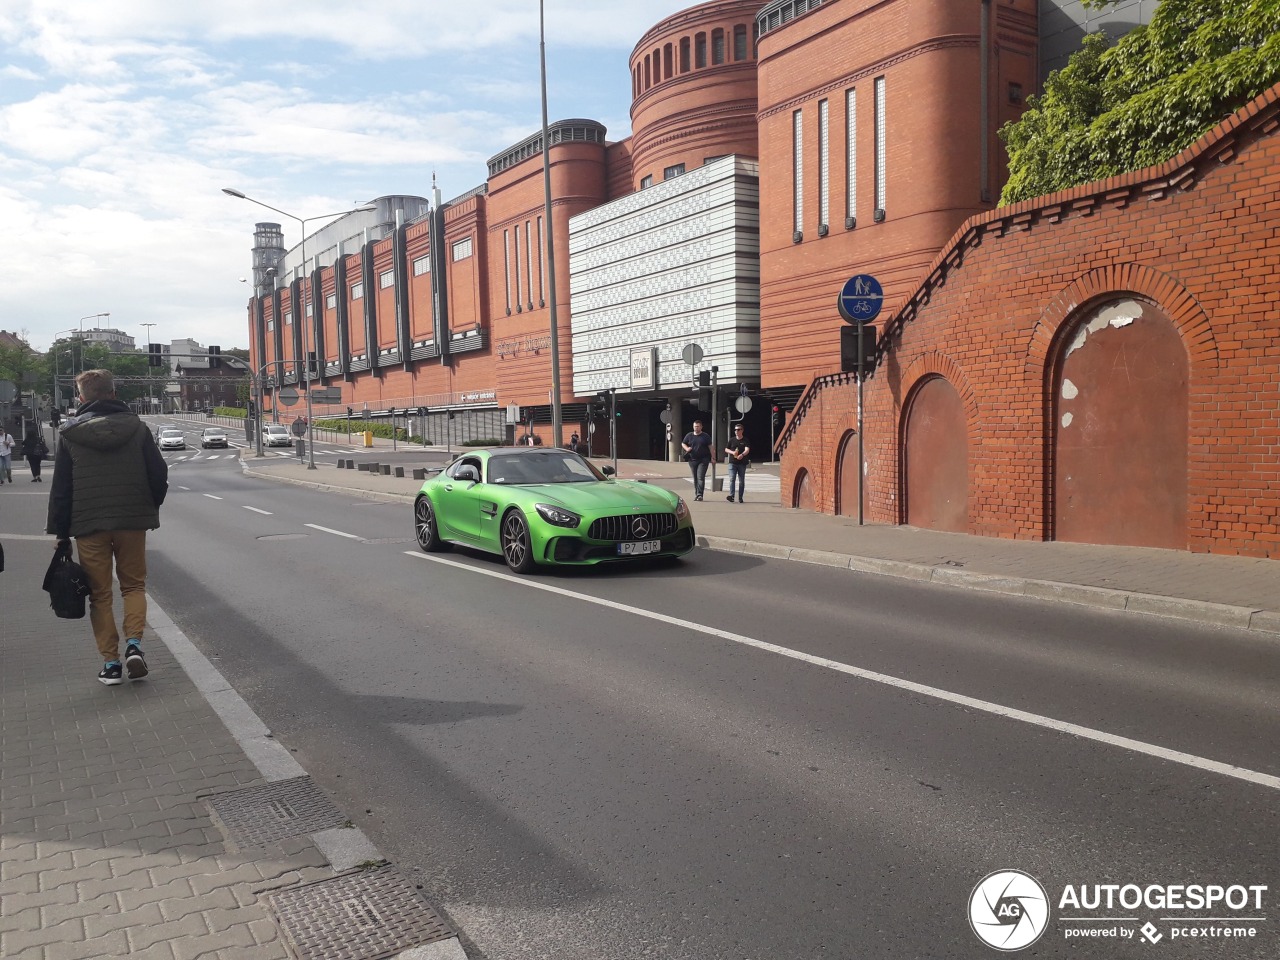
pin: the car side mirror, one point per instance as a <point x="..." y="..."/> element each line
<point x="469" y="473"/>
<point x="607" y="470"/>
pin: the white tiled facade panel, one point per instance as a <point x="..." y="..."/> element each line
<point x="673" y="264"/>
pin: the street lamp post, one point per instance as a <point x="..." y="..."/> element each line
<point x="303" y="361"/>
<point x="150" y="405"/>
<point x="92" y="316"/>
<point x="550" y="253"/>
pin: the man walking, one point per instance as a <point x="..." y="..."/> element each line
<point x="6" y="456"/>
<point x="697" y="448"/>
<point x="739" y="453"/>
<point x="109" y="481"/>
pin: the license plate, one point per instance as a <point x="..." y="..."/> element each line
<point x="639" y="547"/>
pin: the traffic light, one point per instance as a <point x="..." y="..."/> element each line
<point x="849" y="348"/>
<point x="779" y="419"/>
<point x="704" y="390"/>
<point x="215" y="357"/>
<point x="154" y="357"/>
<point x="253" y="410"/>
<point x="422" y="411"/>
<point x="392" y="413"/>
<point x="600" y="406"/>
<point x="55" y="417"/>
<point x="313" y="368"/>
<point x="349" y="413"/>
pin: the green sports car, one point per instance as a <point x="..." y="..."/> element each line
<point x="548" y="506"/>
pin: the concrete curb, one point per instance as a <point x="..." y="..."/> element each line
<point x="1265" y="622"/>
<point x="1197" y="611"/>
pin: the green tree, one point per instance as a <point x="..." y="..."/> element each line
<point x="1118" y="108"/>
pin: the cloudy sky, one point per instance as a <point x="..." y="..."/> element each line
<point x="121" y="120"/>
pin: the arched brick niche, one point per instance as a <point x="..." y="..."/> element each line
<point x="804" y="495"/>
<point x="935" y="457"/>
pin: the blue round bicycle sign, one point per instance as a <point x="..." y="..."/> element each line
<point x="860" y="299"/>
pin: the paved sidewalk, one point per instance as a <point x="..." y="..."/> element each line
<point x="108" y="847"/>
<point x="1233" y="591"/>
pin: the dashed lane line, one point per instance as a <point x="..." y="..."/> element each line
<point x="265" y="513"/>
<point x="336" y="533"/>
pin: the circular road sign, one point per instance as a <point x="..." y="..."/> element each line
<point x="743" y="404"/>
<point x="860" y="299"/>
<point x="289" y="396"/>
<point x="299" y="427"/>
<point x="692" y="354"/>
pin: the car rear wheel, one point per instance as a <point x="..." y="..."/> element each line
<point x="516" y="549"/>
<point x="424" y="524"/>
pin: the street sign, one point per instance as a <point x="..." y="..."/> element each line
<point x="692" y="354"/>
<point x="326" y="394"/>
<point x="289" y="396"/>
<point x="860" y="299"/>
<point x="299" y="427"/>
<point x="743" y="404"/>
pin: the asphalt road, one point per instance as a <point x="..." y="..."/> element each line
<point x="715" y="759"/>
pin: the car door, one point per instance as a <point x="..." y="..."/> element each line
<point x="459" y="505"/>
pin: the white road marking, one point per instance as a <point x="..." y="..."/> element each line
<point x="336" y="533"/>
<point x="1011" y="713"/>
<point x="210" y="496"/>
<point x="265" y="513"/>
<point x="184" y="488"/>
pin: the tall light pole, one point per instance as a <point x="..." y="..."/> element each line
<point x="304" y="360"/>
<point x="150" y="405"/>
<point x="92" y="316"/>
<point x="557" y="432"/>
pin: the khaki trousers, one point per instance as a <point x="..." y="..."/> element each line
<point x="129" y="550"/>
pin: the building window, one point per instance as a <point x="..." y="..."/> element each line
<point x="718" y="156"/>
<point x="851" y="156"/>
<point x="684" y="55"/>
<point x="1015" y="93"/>
<point x="700" y="50"/>
<point x="740" y="42"/>
<point x="506" y="264"/>
<point x="288" y="318"/>
<point x="667" y="65"/>
<point x="386" y="279"/>
<point x="674" y="171"/>
<point x="271" y="324"/>
<point x="646" y="182"/>
<point x="824" y="166"/>
<point x="528" y="263"/>
<point x="331" y="301"/>
<point x="357" y="291"/>
<point x="462" y="250"/>
<point x="422" y="265"/>
<point x="717" y="46"/>
<point x="311" y="309"/>
<point x="648" y="67"/>
<point x="797" y="160"/>
<point x="880" y="147"/>
<point x="516" y="261"/>
<point x="542" y="275"/>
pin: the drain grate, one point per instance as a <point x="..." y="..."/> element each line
<point x="359" y="916"/>
<point x="275" y="811"/>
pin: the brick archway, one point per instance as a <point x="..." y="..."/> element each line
<point x="964" y="432"/>
<point x="803" y="496"/>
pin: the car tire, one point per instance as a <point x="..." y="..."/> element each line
<point x="426" y="528"/>
<point x="517" y="549"/>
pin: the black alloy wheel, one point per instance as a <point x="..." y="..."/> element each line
<point x="425" y="527"/>
<point x="516" y="548"/>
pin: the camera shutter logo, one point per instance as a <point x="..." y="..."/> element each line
<point x="1008" y="910"/>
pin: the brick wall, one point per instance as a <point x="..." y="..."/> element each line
<point x="1197" y="238"/>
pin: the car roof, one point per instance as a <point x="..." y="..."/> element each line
<point x="212" y="429"/>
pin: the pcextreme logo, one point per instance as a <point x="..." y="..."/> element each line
<point x="1009" y="910"/>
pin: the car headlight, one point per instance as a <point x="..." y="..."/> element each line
<point x="682" y="509"/>
<point x="557" y="516"/>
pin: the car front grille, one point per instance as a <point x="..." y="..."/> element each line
<point x="636" y="526"/>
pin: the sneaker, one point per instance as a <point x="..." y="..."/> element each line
<point x="729" y="498"/>
<point x="110" y="674"/>
<point x="134" y="661"/>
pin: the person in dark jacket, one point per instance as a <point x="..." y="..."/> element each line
<point x="109" y="481"/>
<point x="35" y="450"/>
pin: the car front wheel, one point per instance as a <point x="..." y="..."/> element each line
<point x="426" y="528"/>
<point x="516" y="548"/>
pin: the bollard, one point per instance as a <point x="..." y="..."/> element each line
<point x="368" y="438"/>
<point x="341" y="464"/>
<point x="420" y="473"/>
<point x="351" y="464"/>
<point x="386" y="469"/>
<point x="399" y="471"/>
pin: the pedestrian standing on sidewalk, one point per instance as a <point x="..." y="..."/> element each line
<point x="6" y="456"/>
<point x="109" y="481"/>
<point x="697" y="449"/>
<point x="739" y="453"/>
<point x="35" y="450"/>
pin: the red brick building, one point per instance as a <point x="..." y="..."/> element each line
<point x="1096" y="365"/>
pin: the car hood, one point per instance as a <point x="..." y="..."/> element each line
<point x="622" y="495"/>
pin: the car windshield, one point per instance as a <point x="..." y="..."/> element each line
<point x="213" y="433"/>
<point x="276" y="429"/>
<point x="545" y="466"/>
<point x="171" y="433"/>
